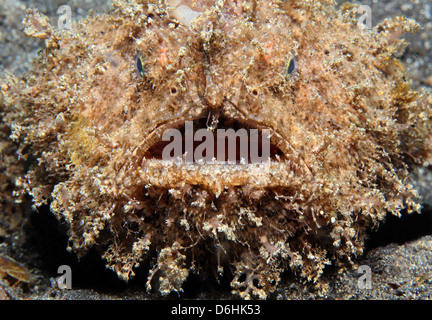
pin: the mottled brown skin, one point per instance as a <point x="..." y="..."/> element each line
<point x="347" y="125"/>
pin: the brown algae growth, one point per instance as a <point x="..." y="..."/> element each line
<point x="346" y="130"/>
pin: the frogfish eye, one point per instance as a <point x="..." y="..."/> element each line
<point x="139" y="66"/>
<point x="292" y="66"/>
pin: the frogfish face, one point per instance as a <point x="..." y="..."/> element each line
<point x="223" y="80"/>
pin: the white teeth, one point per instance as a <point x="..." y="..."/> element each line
<point x="184" y="14"/>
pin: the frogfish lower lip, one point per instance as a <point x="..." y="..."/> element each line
<point x="217" y="177"/>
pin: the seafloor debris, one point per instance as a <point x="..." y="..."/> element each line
<point x="346" y="129"/>
<point x="9" y="267"/>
